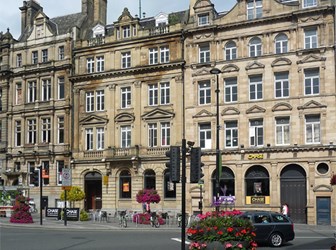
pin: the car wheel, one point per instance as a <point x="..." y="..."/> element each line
<point x="276" y="240"/>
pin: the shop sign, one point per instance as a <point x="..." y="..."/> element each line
<point x="255" y="156"/>
<point x="72" y="213"/>
<point x="257" y="199"/>
<point x="53" y="212"/>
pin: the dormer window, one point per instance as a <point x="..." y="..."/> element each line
<point x="203" y="19"/>
<point x="126" y="31"/>
<point x="309" y="3"/>
<point x="254" y="9"/>
<point x="98" y="31"/>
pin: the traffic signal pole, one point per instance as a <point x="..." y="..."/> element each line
<point x="41" y="184"/>
<point x="183" y="233"/>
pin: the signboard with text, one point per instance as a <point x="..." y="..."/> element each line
<point x="66" y="177"/>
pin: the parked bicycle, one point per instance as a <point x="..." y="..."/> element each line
<point x="32" y="207"/>
<point x="154" y="220"/>
<point x="122" y="219"/>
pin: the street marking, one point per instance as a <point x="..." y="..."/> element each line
<point x="179" y="240"/>
<point x="312" y="237"/>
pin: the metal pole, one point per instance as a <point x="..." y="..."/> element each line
<point x="184" y="151"/>
<point x="201" y="199"/>
<point x="41" y="189"/>
<point x="217" y="144"/>
<point x="65" y="207"/>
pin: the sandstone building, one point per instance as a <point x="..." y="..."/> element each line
<point x="107" y="101"/>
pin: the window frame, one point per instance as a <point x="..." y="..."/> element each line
<point x="203" y="19"/>
<point x="314" y="125"/>
<point x="281" y="43"/>
<point x="125" y="136"/>
<point x="204" y="92"/>
<point x="231" y="134"/>
<point x="310" y="38"/>
<point x="255" y="87"/>
<point x="230" y="51"/>
<point x="256" y="132"/>
<point x="204" y="133"/>
<point x="204" y="53"/>
<point x="255" y="47"/>
<point x="282" y="131"/>
<point x="281" y="79"/>
<point x="312" y="82"/>
<point x="126" y="97"/>
<point x="230" y="90"/>
<point x="125" y="60"/>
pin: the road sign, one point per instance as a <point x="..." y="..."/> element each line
<point x="66" y="177"/>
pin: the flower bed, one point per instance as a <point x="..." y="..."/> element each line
<point x="225" y="229"/>
<point x="145" y="219"/>
<point x="21" y="212"/>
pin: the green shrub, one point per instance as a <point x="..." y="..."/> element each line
<point x="83" y="215"/>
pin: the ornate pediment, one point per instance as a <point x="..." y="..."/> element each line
<point x="202" y="3"/>
<point x="282" y="106"/>
<point x="255" y="65"/>
<point x="125" y="16"/>
<point x="201" y="71"/>
<point x="255" y="109"/>
<point x="230" y="111"/>
<point x="158" y="114"/>
<point x="311" y="58"/>
<point x="230" y="68"/>
<point x="323" y="188"/>
<point x="94" y="120"/>
<point x="312" y="105"/>
<point x="124" y="117"/>
<point x="203" y="113"/>
<point x="281" y="62"/>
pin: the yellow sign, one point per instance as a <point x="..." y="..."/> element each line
<point x="257" y="200"/>
<point x="255" y="156"/>
<point x="105" y="180"/>
<point x="67" y="188"/>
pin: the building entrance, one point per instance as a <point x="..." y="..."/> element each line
<point x="323" y="212"/>
<point x="293" y="192"/>
<point x="93" y="191"/>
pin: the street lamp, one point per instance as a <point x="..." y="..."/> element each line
<point x="216" y="71"/>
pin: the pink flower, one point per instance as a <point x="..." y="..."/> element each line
<point x="228" y="245"/>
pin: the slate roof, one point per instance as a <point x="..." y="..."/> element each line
<point x="65" y="23"/>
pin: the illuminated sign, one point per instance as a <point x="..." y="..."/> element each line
<point x="257" y="199"/>
<point x="255" y="156"/>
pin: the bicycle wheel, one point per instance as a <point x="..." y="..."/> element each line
<point x="124" y="222"/>
<point x="157" y="223"/>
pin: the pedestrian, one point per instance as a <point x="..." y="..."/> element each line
<point x="285" y="209"/>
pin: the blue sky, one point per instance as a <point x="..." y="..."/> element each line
<point x="11" y="15"/>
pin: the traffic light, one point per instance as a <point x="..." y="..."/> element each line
<point x="196" y="165"/>
<point x="174" y="163"/>
<point x="34" y="176"/>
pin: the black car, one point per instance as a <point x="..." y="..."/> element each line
<point x="271" y="227"/>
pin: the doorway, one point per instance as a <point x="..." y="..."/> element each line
<point x="323" y="213"/>
<point x="93" y="191"/>
<point x="294" y="192"/>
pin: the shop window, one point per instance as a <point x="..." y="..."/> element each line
<point x="150" y="179"/>
<point x="226" y="182"/>
<point x="125" y="182"/>
<point x="257" y="181"/>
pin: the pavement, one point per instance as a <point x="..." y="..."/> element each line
<point x="113" y="224"/>
<point x="110" y="224"/>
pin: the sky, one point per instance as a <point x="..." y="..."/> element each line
<point x="10" y="14"/>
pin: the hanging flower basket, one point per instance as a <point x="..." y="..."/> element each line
<point x="333" y="179"/>
<point x="148" y="196"/>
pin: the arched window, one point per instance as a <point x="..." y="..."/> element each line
<point x="281" y="44"/>
<point x="255" y="47"/>
<point x="257" y="181"/>
<point x="149" y="179"/>
<point x="230" y="51"/>
<point x="169" y="187"/>
<point x="125" y="183"/>
<point x="226" y="182"/>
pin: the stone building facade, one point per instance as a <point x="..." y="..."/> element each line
<point x="107" y="101"/>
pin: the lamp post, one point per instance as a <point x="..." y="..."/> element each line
<point x="216" y="72"/>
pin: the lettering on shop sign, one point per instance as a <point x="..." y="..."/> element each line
<point x="257" y="199"/>
<point x="255" y="156"/>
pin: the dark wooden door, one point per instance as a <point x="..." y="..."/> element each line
<point x="323" y="213"/>
<point x="293" y="192"/>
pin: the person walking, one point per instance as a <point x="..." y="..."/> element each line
<point x="285" y="209"/>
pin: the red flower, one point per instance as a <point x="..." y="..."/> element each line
<point x="229" y="229"/>
<point x="220" y="232"/>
